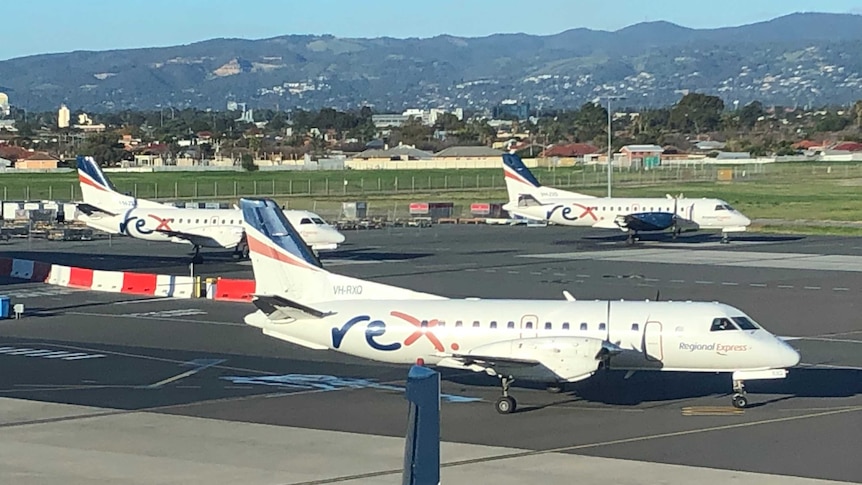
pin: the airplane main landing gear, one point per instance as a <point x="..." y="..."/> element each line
<point x="739" y="399"/>
<point x="197" y="258"/>
<point x="506" y="404"/>
<point x="632" y="238"/>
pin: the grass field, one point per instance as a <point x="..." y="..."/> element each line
<point x="789" y="192"/>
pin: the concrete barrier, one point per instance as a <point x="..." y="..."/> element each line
<point x="233" y="290"/>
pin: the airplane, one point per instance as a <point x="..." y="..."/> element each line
<point x="107" y="210"/>
<point x="530" y="199"/>
<point x="548" y="341"/>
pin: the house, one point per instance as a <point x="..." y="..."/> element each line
<point x="37" y="161"/>
<point x="401" y="152"/>
<point x="636" y="156"/>
<point x="469" y="153"/>
<point x="569" y="150"/>
<point x="848" y="146"/>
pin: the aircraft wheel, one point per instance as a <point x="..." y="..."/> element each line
<point x="554" y="389"/>
<point x="740" y="401"/>
<point x="506" y="405"/>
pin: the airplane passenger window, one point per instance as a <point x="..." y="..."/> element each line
<point x="476" y="324"/>
<point x="493" y="324"/>
<point x="565" y="325"/>
<point x="305" y="220"/>
<point x="511" y="325"/>
<point x="197" y="221"/>
<point x="441" y="323"/>
<point x="635" y="327"/>
<point x="602" y="327"/>
<point x="548" y="326"/>
<point x="583" y="327"/>
<point x="529" y="324"/>
<point x="458" y="323"/>
<point x="423" y="323"/>
<point x="744" y="323"/>
<point x="720" y="324"/>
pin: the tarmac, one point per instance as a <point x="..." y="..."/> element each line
<point x="106" y="388"/>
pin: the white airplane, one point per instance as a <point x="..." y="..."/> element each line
<point x="554" y="342"/>
<point x="529" y="199"/>
<point x="107" y="210"/>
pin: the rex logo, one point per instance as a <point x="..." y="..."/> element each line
<point x="376" y="329"/>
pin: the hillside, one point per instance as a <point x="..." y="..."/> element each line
<point x="797" y="59"/>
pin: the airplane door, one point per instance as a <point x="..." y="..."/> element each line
<point x="529" y="326"/>
<point x="652" y="341"/>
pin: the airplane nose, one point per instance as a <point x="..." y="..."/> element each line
<point x="789" y="356"/>
<point x="745" y="220"/>
<point x="337" y="236"/>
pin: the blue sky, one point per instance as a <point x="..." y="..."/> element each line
<point x="35" y="27"/>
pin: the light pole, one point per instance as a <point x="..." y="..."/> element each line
<point x="610" y="139"/>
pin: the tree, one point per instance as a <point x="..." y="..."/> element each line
<point x="104" y="147"/>
<point x="590" y="122"/>
<point x="750" y="113"/>
<point x="831" y="122"/>
<point x="247" y="162"/>
<point x="697" y="111"/>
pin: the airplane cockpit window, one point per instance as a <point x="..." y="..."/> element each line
<point x="318" y="221"/>
<point x="723" y="207"/>
<point x="525" y="200"/>
<point x="720" y="324"/>
<point x="745" y="323"/>
<point x="305" y="220"/>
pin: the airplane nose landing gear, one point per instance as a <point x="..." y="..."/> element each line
<point x="506" y="404"/>
<point x="739" y="399"/>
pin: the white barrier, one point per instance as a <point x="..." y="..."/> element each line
<point x="110" y="281"/>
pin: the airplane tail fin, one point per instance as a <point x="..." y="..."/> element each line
<point x="521" y="181"/>
<point x="98" y="191"/>
<point x="284" y="265"/>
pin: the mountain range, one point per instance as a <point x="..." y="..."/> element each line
<point x="801" y="59"/>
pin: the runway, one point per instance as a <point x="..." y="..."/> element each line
<point x="102" y="362"/>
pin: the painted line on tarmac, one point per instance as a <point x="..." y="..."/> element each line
<point x="522" y="454"/>
<point x="163" y="319"/>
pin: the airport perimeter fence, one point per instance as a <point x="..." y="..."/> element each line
<point x="358" y="185"/>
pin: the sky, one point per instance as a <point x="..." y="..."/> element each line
<point x="65" y="25"/>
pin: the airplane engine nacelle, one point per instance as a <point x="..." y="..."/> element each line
<point x="570" y="359"/>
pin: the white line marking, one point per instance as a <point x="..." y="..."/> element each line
<point x="516" y="272"/>
<point x="700" y="282"/>
<point x="840" y="289"/>
<point x="786" y="287"/>
<point x="163" y="319"/>
<point x="758" y="285"/>
<point x="651" y="279"/>
<point x="174" y="378"/>
<point x="582" y="276"/>
<point x="132" y="302"/>
<point x="729" y="283"/>
<point x="812" y="287"/>
<point x="559" y="274"/>
<point x="677" y="281"/>
<point x="88" y="356"/>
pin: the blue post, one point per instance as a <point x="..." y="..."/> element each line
<point x="422" y="446"/>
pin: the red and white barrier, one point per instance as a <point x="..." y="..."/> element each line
<point x="122" y="281"/>
<point x="232" y="290"/>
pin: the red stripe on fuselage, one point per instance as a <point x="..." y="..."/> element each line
<point x="88" y="181"/>
<point x="516" y="177"/>
<point x="265" y="249"/>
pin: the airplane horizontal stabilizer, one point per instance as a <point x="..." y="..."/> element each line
<point x="89" y="209"/>
<point x="277" y="308"/>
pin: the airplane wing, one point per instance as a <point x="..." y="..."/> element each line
<point x="607" y="224"/>
<point x="544" y="359"/>
<point x="282" y="310"/>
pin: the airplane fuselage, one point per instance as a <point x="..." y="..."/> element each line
<point x="671" y="336"/>
<point x="652" y="213"/>
<point x="210" y="228"/>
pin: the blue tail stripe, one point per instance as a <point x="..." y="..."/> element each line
<point x="89" y="166"/>
<point x="266" y="217"/>
<point x="514" y="162"/>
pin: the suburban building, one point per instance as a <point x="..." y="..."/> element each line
<point x="469" y="153"/>
<point x="637" y="156"/>
<point x="64" y="116"/>
<point x="37" y="160"/>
